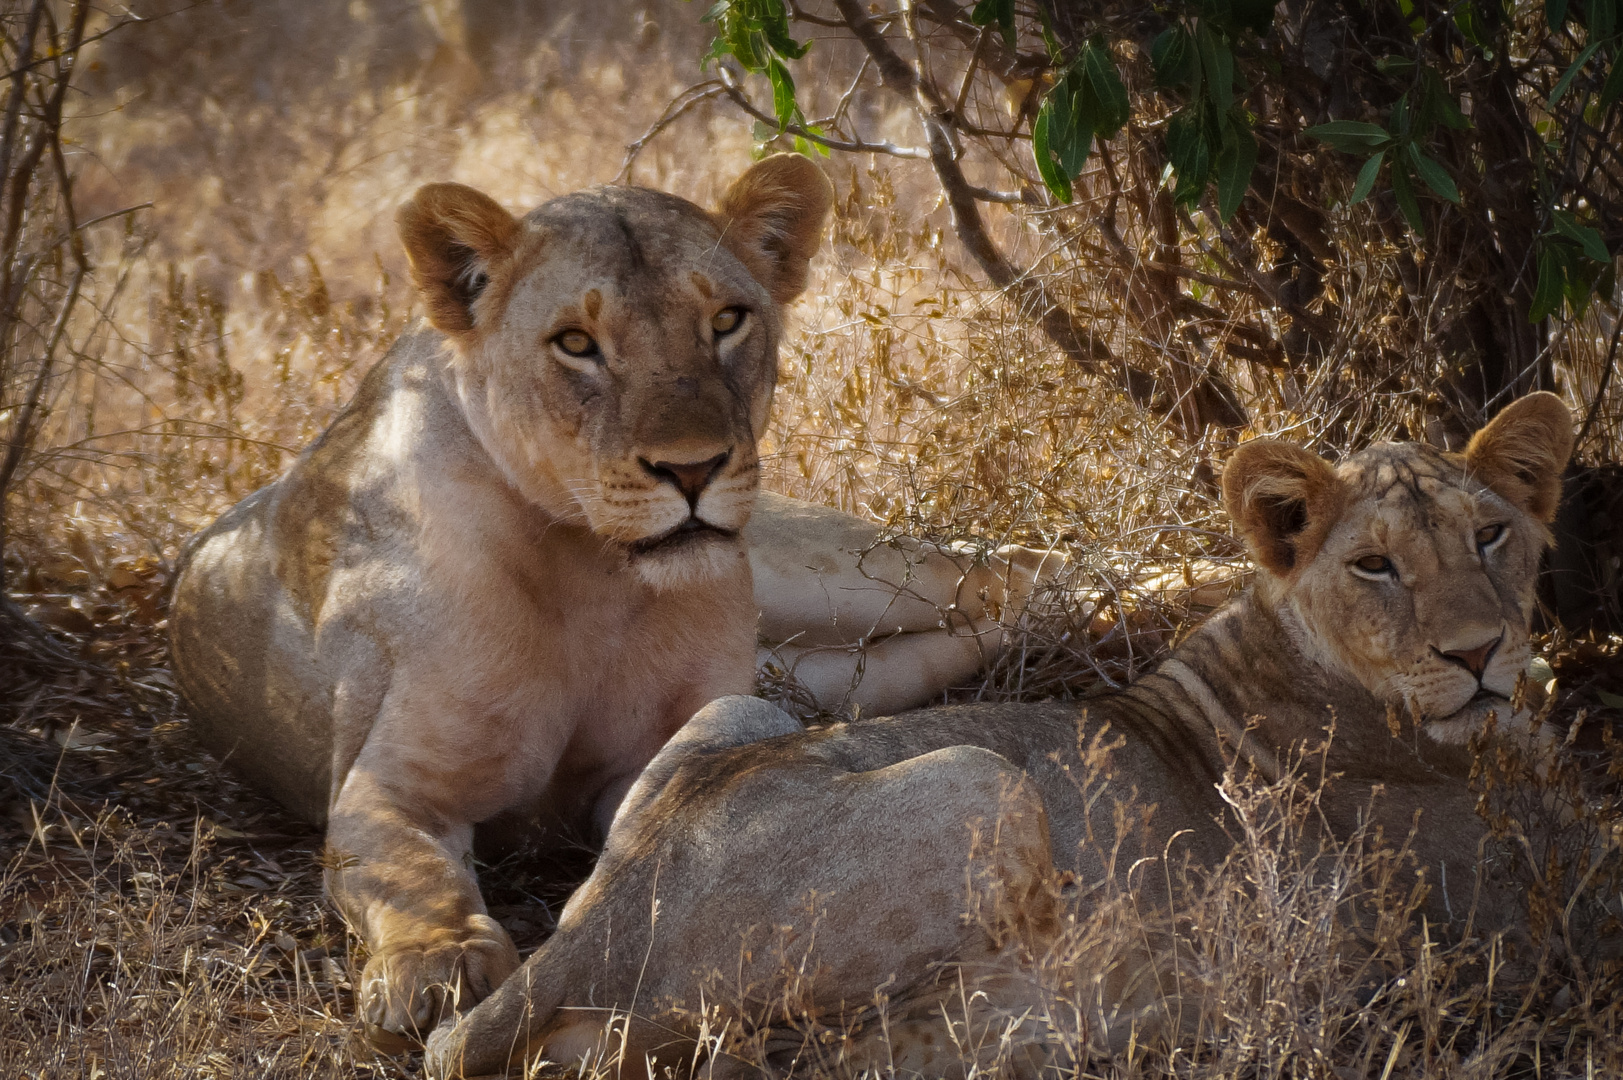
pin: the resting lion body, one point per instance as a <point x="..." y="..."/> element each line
<point x="520" y="559"/>
<point x="1394" y="590"/>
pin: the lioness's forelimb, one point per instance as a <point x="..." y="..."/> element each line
<point x="402" y="877"/>
<point x="882" y="623"/>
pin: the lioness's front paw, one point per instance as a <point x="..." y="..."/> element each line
<point x="442" y="1056"/>
<point x="405" y="991"/>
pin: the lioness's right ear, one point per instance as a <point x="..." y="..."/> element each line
<point x="455" y="238"/>
<point x="772" y="218"/>
<point x="1523" y="451"/>
<point x="1283" y="500"/>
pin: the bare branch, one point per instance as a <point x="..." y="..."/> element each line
<point x="1084" y="347"/>
<point x="679" y="105"/>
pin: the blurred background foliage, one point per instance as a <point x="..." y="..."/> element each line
<point x="1484" y="135"/>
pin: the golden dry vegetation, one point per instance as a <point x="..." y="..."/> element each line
<point x="157" y="920"/>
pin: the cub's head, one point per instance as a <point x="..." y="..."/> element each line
<point x="1410" y="569"/>
<point x="615" y="350"/>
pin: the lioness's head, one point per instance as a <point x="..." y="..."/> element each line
<point x="615" y="350"/>
<point x="1410" y="569"/>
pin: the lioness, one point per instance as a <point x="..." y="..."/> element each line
<point x="1395" y="588"/>
<point x="517" y="561"/>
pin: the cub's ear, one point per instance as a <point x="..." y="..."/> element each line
<point x="455" y="238"/>
<point x="1523" y="452"/>
<point x="1283" y="500"/>
<point x="772" y="218"/>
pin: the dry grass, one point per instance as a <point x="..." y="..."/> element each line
<point x="157" y="920"/>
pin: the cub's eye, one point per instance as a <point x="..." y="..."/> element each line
<point x="576" y="343"/>
<point x="727" y="320"/>
<point x="1489" y="535"/>
<point x="1374" y="564"/>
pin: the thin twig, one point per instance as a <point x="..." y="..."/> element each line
<point x="969" y="75"/>
<point x="679" y="105"/>
<point x="19" y="86"/>
<point x="1600" y="391"/>
<point x="1083" y="346"/>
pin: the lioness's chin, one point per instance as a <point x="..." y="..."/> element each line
<point x="1459" y="727"/>
<point x="688" y="558"/>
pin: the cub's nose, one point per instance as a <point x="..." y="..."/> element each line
<point x="688" y="477"/>
<point x="1476" y="660"/>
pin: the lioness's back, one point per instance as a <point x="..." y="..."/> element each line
<point x="249" y="589"/>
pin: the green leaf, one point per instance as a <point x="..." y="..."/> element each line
<point x="1349" y="136"/>
<point x="1403" y="189"/>
<point x="1000" y="12"/>
<point x="774" y="24"/>
<point x="745" y="45"/>
<point x="1555" y="16"/>
<point x="1614" y="83"/>
<point x="1437" y="104"/>
<point x="809" y="148"/>
<point x="783" y="92"/>
<point x="1398" y="122"/>
<point x="1579" y="280"/>
<point x="1366" y="178"/>
<point x="1584" y="236"/>
<point x="1072" y="118"/>
<point x="1614" y="700"/>
<point x="1217" y="63"/>
<point x="1394" y="65"/>
<point x="1435" y="176"/>
<point x="1053" y="176"/>
<point x="1190" y="152"/>
<point x="1602" y="19"/>
<point x="1056" y="51"/>
<point x="1565" y="81"/>
<point x="1109" y="93"/>
<point x="1235" y="162"/>
<point x="1417" y="24"/>
<point x="1547" y="293"/>
<point x="1172" y="54"/>
<point x="1473" y="28"/>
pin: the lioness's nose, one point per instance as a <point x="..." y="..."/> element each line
<point x="689" y="477"/>
<point x="1476" y="660"/>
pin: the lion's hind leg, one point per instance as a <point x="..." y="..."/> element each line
<point x="785" y="891"/>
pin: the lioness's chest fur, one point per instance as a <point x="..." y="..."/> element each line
<point x="540" y="662"/>
<point x="553" y="653"/>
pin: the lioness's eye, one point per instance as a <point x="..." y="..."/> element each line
<point x="1374" y="564"/>
<point x="576" y="343"/>
<point x="1488" y="534"/>
<point x="726" y="320"/>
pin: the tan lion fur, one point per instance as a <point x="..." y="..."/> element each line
<point x="483" y="596"/>
<point x="441" y="617"/>
<point x="743" y="820"/>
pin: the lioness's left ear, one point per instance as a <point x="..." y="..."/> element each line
<point x="772" y="218"/>
<point x="1283" y="500"/>
<point x="1523" y="452"/>
<point x="454" y="238"/>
